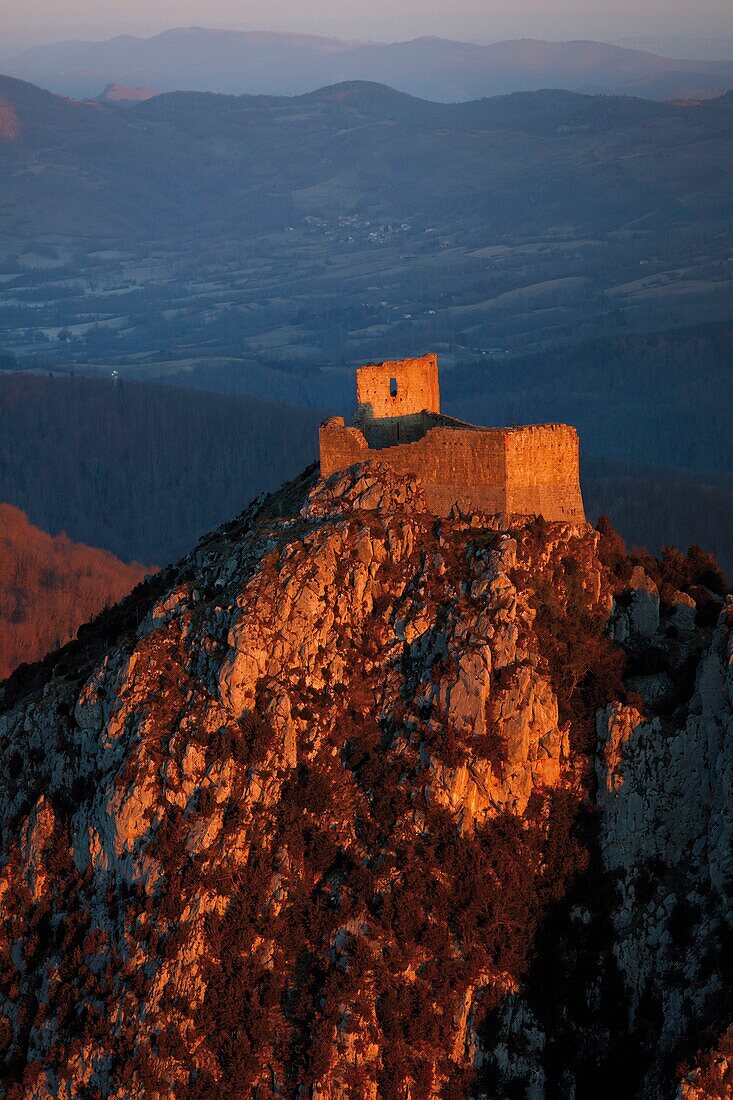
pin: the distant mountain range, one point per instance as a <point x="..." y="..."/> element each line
<point x="683" y="46"/>
<point x="300" y="235"/>
<point x="265" y="245"/>
<point x="200" y="59"/>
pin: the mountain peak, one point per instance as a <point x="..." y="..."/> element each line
<point x="318" y="788"/>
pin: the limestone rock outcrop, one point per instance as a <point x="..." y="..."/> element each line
<point x="291" y="822"/>
<point x="637" y="611"/>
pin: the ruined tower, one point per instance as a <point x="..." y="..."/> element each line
<point x="532" y="470"/>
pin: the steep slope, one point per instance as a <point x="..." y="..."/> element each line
<point x="295" y="818"/>
<point x="49" y="587"/>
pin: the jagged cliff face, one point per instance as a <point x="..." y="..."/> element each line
<point x="316" y="815"/>
<point x="665" y="789"/>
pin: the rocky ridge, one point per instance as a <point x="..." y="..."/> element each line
<point x="326" y="809"/>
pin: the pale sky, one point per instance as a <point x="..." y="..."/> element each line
<point x="25" y="22"/>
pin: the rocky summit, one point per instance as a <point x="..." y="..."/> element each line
<point x="360" y="802"/>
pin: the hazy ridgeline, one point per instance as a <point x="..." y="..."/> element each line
<point x="197" y="58"/>
<point x="266" y="244"/>
<point x="542" y="244"/>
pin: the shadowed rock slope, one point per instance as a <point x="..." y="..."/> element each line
<point x="358" y="802"/>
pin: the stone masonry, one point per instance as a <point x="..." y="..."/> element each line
<point x="531" y="470"/>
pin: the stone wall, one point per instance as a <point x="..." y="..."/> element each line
<point x="388" y="431"/>
<point x="415" y="382"/>
<point x="525" y="471"/>
<point x="543" y="471"/>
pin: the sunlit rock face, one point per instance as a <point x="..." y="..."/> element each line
<point x="292" y="823"/>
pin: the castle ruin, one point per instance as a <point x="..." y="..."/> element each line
<point x="532" y="470"/>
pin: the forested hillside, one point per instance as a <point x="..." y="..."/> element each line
<point x="654" y="508"/>
<point x="660" y="398"/>
<point x="140" y="469"/>
<point x="49" y="587"/>
<point x="653" y="413"/>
